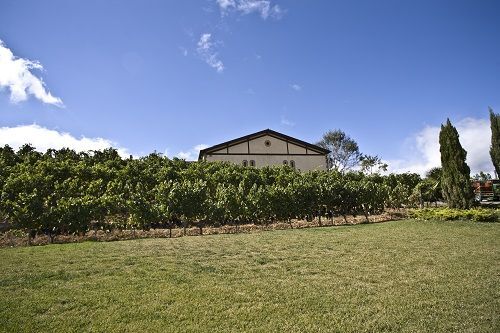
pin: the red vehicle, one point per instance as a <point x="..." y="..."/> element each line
<point x="486" y="190"/>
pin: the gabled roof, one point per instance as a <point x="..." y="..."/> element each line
<point x="255" y="135"/>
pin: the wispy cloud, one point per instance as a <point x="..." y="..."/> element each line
<point x="207" y="51"/>
<point x="43" y="138"/>
<point x="226" y="4"/>
<point x="423" y="148"/>
<point x="295" y="87"/>
<point x="263" y="7"/>
<point x="191" y="154"/>
<point x="16" y="75"/>
<point x="183" y="51"/>
<point x="286" y="122"/>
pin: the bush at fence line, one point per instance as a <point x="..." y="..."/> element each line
<point x="449" y="214"/>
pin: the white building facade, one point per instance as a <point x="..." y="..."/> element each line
<point x="268" y="148"/>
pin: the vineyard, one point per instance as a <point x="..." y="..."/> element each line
<point x="64" y="192"/>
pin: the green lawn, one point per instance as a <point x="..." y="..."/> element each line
<point x="405" y="276"/>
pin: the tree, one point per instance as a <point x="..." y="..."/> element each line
<point x="162" y="198"/>
<point x="398" y="196"/>
<point x="495" y="141"/>
<point x="431" y="189"/>
<point x="62" y="191"/>
<point x="434" y="174"/>
<point x="368" y="163"/>
<point x="428" y="190"/>
<point x="455" y="172"/>
<point x="26" y="197"/>
<point x="188" y="199"/>
<point x="8" y="159"/>
<point x="482" y="176"/>
<point x="344" y="151"/>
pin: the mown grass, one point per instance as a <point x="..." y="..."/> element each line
<point x="404" y="276"/>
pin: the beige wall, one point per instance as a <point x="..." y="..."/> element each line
<point x="239" y="148"/>
<point x="273" y="154"/>
<point x="294" y="149"/>
<point x="258" y="146"/>
<point x="302" y="162"/>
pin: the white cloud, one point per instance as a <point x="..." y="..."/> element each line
<point x="423" y="148"/>
<point x="296" y="87"/>
<point x="183" y="50"/>
<point x="16" y="75"/>
<point x="43" y="138"/>
<point x="191" y="154"/>
<point x="226" y="4"/>
<point x="206" y="50"/>
<point x="263" y="7"/>
<point x="286" y="122"/>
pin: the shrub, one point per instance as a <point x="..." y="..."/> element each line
<point x="449" y="214"/>
<point x="484" y="215"/>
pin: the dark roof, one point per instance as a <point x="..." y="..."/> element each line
<point x="262" y="133"/>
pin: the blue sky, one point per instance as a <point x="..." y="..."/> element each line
<point x="169" y="76"/>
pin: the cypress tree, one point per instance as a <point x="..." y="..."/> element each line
<point x="495" y="140"/>
<point x="455" y="177"/>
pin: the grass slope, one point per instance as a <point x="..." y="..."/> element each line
<point x="398" y="276"/>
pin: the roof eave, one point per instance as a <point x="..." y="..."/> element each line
<point x="259" y="134"/>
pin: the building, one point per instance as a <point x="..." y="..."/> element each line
<point x="266" y="148"/>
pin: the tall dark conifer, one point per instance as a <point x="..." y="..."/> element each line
<point x="495" y="140"/>
<point x="455" y="177"/>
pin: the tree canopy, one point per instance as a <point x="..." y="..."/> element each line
<point x="495" y="140"/>
<point x="455" y="176"/>
<point x="344" y="151"/>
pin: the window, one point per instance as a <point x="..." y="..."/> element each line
<point x="245" y="163"/>
<point x="252" y="163"/>
<point x="292" y="164"/>
<point x="267" y="143"/>
<point x="285" y="162"/>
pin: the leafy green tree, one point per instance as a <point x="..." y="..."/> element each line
<point x="408" y="179"/>
<point x="434" y="174"/>
<point x="253" y="210"/>
<point x="27" y="154"/>
<point x="140" y="178"/>
<point x="188" y="200"/>
<point x="263" y="203"/>
<point x="279" y="200"/>
<point x="306" y="195"/>
<point x="228" y="203"/>
<point x="8" y="159"/>
<point x="332" y="192"/>
<point x="398" y="196"/>
<point x="164" y="205"/>
<point x="370" y="164"/>
<point x="495" y="140"/>
<point x="429" y="189"/>
<point x="8" y="155"/>
<point x="372" y="197"/>
<point x="349" y="203"/>
<point x="455" y="172"/>
<point x="27" y="198"/>
<point x="62" y="191"/>
<point x="344" y="151"/>
<point x="481" y="176"/>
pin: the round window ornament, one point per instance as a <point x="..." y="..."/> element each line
<point x="267" y="143"/>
